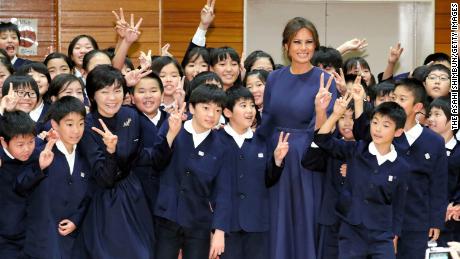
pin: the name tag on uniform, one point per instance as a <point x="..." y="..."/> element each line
<point x="390" y="178"/>
<point x="82" y="175"/>
<point x="427" y="156"/>
<point x="260" y="155"/>
<point x="448" y="153"/>
<point x="136" y="140"/>
<point x="200" y="153"/>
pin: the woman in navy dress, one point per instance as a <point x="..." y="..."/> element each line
<point x="289" y="107"/>
<point x="118" y="223"/>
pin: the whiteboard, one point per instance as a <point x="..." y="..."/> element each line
<point x="382" y="23"/>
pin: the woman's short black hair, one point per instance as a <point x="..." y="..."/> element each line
<point x="100" y="77"/>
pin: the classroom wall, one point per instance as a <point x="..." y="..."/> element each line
<point x="181" y="18"/>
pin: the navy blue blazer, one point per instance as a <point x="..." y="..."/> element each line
<point x="13" y="202"/>
<point x="194" y="187"/>
<point x="453" y="158"/>
<point x="57" y="197"/>
<point x="20" y="62"/>
<point x="316" y="159"/>
<point x="374" y="195"/>
<point x="253" y="170"/>
<point x="427" y="195"/>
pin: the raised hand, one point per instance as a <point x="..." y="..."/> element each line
<point x="207" y="14"/>
<point x="179" y="93"/>
<point x="242" y="69"/>
<point x="46" y="156"/>
<point x="175" y="122"/>
<point x="121" y="25"/>
<point x="134" y="76"/>
<point x="281" y="149"/>
<point x="110" y="140"/>
<point x="165" y="50"/>
<point x="145" y="60"/>
<point x="66" y="227"/>
<point x="357" y="90"/>
<point x="395" y="53"/>
<point x="9" y="101"/>
<point x="353" y="44"/>
<point x="127" y="31"/>
<point x="341" y="104"/>
<point x="323" y="97"/>
<point x="340" y="81"/>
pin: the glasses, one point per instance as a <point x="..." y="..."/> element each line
<point x="435" y="77"/>
<point x="31" y="95"/>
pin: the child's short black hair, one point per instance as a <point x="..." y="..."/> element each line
<point x="328" y="57"/>
<point x="260" y="73"/>
<point x="153" y="76"/>
<point x="194" y="54"/>
<point x="7" y="64"/>
<point x="438" y="56"/>
<point x="393" y="111"/>
<point x="58" y="55"/>
<point x="234" y="94"/>
<point x="88" y="56"/>
<point x="201" y="79"/>
<point x="35" y="66"/>
<point x="100" y="77"/>
<point x="442" y="103"/>
<point x="419" y="73"/>
<point x="208" y="93"/>
<point x="160" y="62"/>
<point x="254" y="56"/>
<point x="220" y="54"/>
<point x="60" y="83"/>
<point x="19" y="83"/>
<point x="64" y="106"/>
<point x="382" y="89"/>
<point x="415" y="87"/>
<point x="436" y="67"/>
<point x="9" y="26"/>
<point x="16" y="123"/>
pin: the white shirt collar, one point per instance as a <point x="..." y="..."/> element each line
<point x="69" y="157"/>
<point x="239" y="139"/>
<point x="8" y="153"/>
<point x="155" y="118"/>
<point x="413" y="134"/>
<point x="451" y="143"/>
<point x="457" y="135"/>
<point x="37" y="111"/>
<point x="197" y="137"/>
<point x="13" y="60"/>
<point x="391" y="156"/>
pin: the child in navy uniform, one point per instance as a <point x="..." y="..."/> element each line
<point x="425" y="152"/>
<point x="253" y="169"/>
<point x="372" y="204"/>
<point x="194" y="196"/>
<point x="17" y="160"/>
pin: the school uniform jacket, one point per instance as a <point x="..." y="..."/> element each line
<point x="194" y="187"/>
<point x="427" y="195"/>
<point x="453" y="158"/>
<point x="20" y="62"/>
<point x="374" y="195"/>
<point x="252" y="170"/>
<point x="58" y="196"/>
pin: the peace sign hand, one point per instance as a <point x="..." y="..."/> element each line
<point x="179" y="93"/>
<point x="121" y="24"/>
<point x="323" y="97"/>
<point x="207" y="14"/>
<point x="357" y="90"/>
<point x="395" y="53"/>
<point x="281" y="149"/>
<point x="340" y="83"/>
<point x="9" y="101"/>
<point x="46" y="156"/>
<point x="145" y="60"/>
<point x="165" y="50"/>
<point x="134" y="76"/>
<point x="175" y="119"/>
<point x="110" y="140"/>
<point x="341" y="104"/>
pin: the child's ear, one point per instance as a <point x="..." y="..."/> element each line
<point x="191" y="109"/>
<point x="228" y="113"/>
<point x="4" y="144"/>
<point x="399" y="132"/>
<point x="418" y="107"/>
<point x="54" y="124"/>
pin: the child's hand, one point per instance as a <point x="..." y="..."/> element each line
<point x="207" y="14"/>
<point x="165" y="50"/>
<point x="434" y="233"/>
<point x="145" y="60"/>
<point x="340" y="82"/>
<point x="395" y="53"/>
<point x="217" y="244"/>
<point x="66" y="227"/>
<point x="242" y="69"/>
<point x="134" y="76"/>
<point x="281" y="149"/>
<point x="179" y="93"/>
<point x="395" y="244"/>
<point x="343" y="170"/>
<point x="9" y="101"/>
<point x="323" y="97"/>
<point x="46" y="156"/>
<point x="109" y="139"/>
<point x="175" y="119"/>
<point x="341" y="104"/>
<point x="121" y="24"/>
<point x="353" y="44"/>
<point x="357" y="90"/>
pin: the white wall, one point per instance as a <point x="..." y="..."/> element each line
<point x="382" y="23"/>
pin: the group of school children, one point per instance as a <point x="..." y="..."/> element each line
<point x="103" y="160"/>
